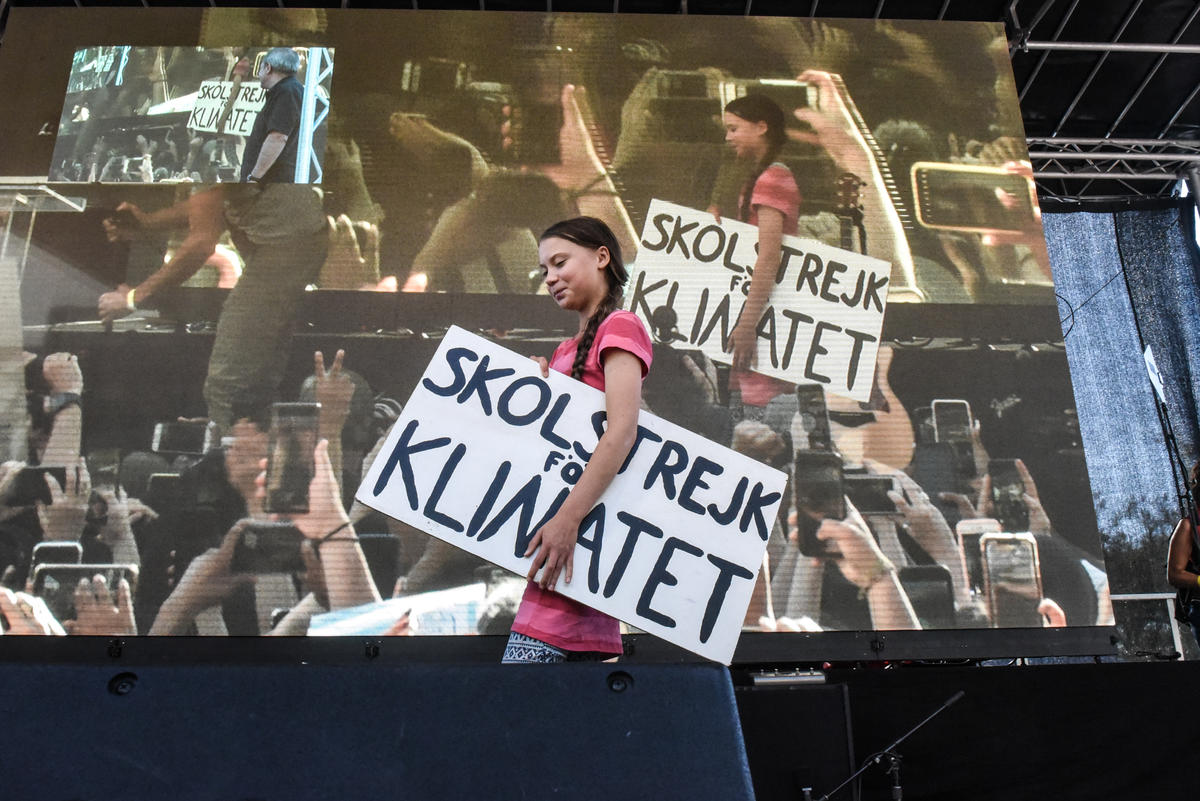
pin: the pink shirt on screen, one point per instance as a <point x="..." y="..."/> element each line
<point x="544" y="614"/>
<point x="775" y="188"/>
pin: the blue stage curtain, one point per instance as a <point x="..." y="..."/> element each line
<point x="1092" y="255"/>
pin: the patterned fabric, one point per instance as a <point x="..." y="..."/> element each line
<point x="522" y="650"/>
<point x="545" y="615"/>
<point x="526" y="650"/>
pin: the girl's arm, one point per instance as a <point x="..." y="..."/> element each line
<point x="770" y="248"/>
<point x="554" y="543"/>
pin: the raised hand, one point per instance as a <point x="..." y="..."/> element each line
<point x="207" y="581"/>
<point x="97" y="613"/>
<point x="63" y="519"/>
<point x="333" y="389"/>
<point x="326" y="524"/>
<point x="243" y="458"/>
<point x="349" y="265"/>
<point x="26" y="614"/>
<point x="117" y="532"/>
<point x="928" y="527"/>
<point x="62" y="374"/>
<point x="1039" y="521"/>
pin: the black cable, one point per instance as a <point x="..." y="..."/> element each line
<point x="1077" y="309"/>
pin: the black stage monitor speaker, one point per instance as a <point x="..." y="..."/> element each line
<point x="575" y="731"/>
<point x="797" y="737"/>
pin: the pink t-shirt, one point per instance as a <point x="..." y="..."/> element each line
<point x="544" y="614"/>
<point x="775" y="188"/>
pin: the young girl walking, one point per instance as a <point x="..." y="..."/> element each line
<point x="754" y="128"/>
<point x="582" y="267"/>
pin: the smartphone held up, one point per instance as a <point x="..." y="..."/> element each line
<point x="290" y="467"/>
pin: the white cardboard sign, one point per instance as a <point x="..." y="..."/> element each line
<point x="486" y="450"/>
<point x="822" y="322"/>
<point x="210" y="102"/>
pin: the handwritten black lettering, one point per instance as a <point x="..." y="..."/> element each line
<point x="504" y="402"/>
<point x="637" y="527"/>
<point x="672" y="460"/>
<point x="439" y="486"/>
<point x="659" y="576"/>
<point x="817" y="349"/>
<point x="753" y="512"/>
<point x="695" y="480"/>
<point x="711" y="255"/>
<point x="454" y="359"/>
<point x="712" y="610"/>
<point x="478" y="384"/>
<point x="593" y="521"/>
<point x="659" y="223"/>
<point x="401" y="456"/>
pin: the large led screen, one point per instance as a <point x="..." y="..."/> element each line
<point x="906" y="368"/>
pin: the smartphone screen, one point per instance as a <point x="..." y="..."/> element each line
<point x="56" y="584"/>
<point x="820" y="495"/>
<point x="104" y="468"/>
<point x="869" y="494"/>
<point x="1012" y="579"/>
<point x="56" y="553"/>
<point x="180" y="437"/>
<point x="969" y="532"/>
<point x="1008" y="495"/>
<point x="29" y="485"/>
<point x="931" y="591"/>
<point x="951" y="420"/>
<point x="164" y="491"/>
<point x="965" y="198"/>
<point x="922" y="422"/>
<point x="267" y="547"/>
<point x="290" y="456"/>
<point x="952" y="424"/>
<point x="813" y="417"/>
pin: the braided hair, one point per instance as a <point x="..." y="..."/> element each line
<point x="759" y="108"/>
<point x="593" y="234"/>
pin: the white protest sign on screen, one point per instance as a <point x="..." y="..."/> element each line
<point x="821" y="325"/>
<point x="486" y="450"/>
<point x="210" y="102"/>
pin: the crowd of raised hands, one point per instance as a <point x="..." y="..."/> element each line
<point x="936" y="559"/>
<point x="152" y="156"/>
<point x="157" y="543"/>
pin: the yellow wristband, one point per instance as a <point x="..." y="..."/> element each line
<point x="129" y="304"/>
<point x="1198" y="581"/>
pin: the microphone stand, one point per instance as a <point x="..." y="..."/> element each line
<point x="893" y="757"/>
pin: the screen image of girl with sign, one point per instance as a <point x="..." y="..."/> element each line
<point x="581" y="263"/>
<point x="770" y="199"/>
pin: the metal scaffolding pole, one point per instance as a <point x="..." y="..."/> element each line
<point x="1112" y="156"/>
<point x="1116" y="47"/>
<point x="1192" y="144"/>
<point x="1110" y="176"/>
<point x="312" y="114"/>
<point x="1129" y="17"/>
<point x="1153" y="70"/>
